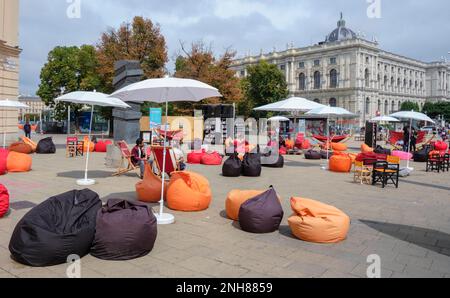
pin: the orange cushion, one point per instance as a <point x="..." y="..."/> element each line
<point x="339" y="147"/>
<point x="366" y="149"/>
<point x="188" y="192"/>
<point x="314" y="221"/>
<point x="340" y="163"/>
<point x="20" y="147"/>
<point x="29" y="142"/>
<point x="290" y="144"/>
<point x="18" y="162"/>
<point x="88" y="145"/>
<point x="236" y="198"/>
<point x="149" y="189"/>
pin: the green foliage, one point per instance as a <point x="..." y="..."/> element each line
<point x="68" y="69"/>
<point x="434" y="110"/>
<point x="410" y="106"/>
<point x="264" y="84"/>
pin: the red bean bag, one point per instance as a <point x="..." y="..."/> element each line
<point x="440" y="146"/>
<point x="366" y="149"/>
<point x="3" y="161"/>
<point x="188" y="192"/>
<point x="100" y="147"/>
<point x="195" y="157"/>
<point x="283" y="151"/>
<point x="370" y="158"/>
<point x="4" y="200"/>
<point x="306" y="145"/>
<point x="299" y="140"/>
<point x="236" y="198"/>
<point x="18" y="162"/>
<point x="149" y="189"/>
<point x="211" y="159"/>
<point x="340" y="164"/>
<point x="20" y="147"/>
<point x="317" y="222"/>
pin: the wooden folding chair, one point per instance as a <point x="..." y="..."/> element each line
<point x="362" y="173"/>
<point x="126" y="158"/>
<point x="171" y="162"/>
<point x="71" y="146"/>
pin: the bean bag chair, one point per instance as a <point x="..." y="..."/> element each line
<point x="236" y="198"/>
<point x="352" y="157"/>
<point x="102" y="146"/>
<point x="251" y="165"/>
<point x="124" y="231"/>
<point x="289" y="144"/>
<point x="59" y="227"/>
<point x="3" y="161"/>
<point x="279" y="164"/>
<point x="324" y="155"/>
<point x="313" y="155"/>
<point x="211" y="159"/>
<point x="402" y="155"/>
<point x="316" y="222"/>
<point x="261" y="214"/>
<point x="440" y="146"/>
<point x="46" y="146"/>
<point x="29" y="142"/>
<point x="370" y="158"/>
<point x="381" y="150"/>
<point x="366" y="149"/>
<point x="4" y="201"/>
<point x="195" y="157"/>
<point x="339" y="147"/>
<point x="299" y="140"/>
<point x="421" y="155"/>
<point x="306" y="145"/>
<point x="188" y="192"/>
<point x="340" y="164"/>
<point x="88" y="145"/>
<point x="232" y="166"/>
<point x="149" y="189"/>
<point x="20" y="147"/>
<point x="283" y="151"/>
<point x="18" y="162"/>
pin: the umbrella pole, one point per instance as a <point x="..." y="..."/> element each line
<point x="4" y="129"/>
<point x="86" y="181"/>
<point x="409" y="144"/>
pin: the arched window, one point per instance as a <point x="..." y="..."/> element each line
<point x="392" y="82"/>
<point x="386" y="107"/>
<point x="385" y="81"/>
<point x="333" y="102"/>
<point x="393" y="107"/>
<point x="399" y="82"/>
<point x="317" y="100"/>
<point x="333" y="78"/>
<point x="367" y="77"/>
<point x="317" y="80"/>
<point x="302" y="81"/>
<point x="367" y="108"/>
<point x="379" y="106"/>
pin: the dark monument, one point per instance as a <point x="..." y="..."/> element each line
<point x="127" y="121"/>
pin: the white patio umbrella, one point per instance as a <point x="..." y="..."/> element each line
<point x="163" y="91"/>
<point x="330" y="112"/>
<point x="411" y="116"/>
<point x="10" y="104"/>
<point x="92" y="99"/>
<point x="293" y="104"/>
<point x="279" y="118"/>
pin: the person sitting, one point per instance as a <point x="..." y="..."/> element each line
<point x="138" y="156"/>
<point x="179" y="155"/>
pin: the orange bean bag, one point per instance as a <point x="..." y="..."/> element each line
<point x="340" y="163"/>
<point x="290" y="144"/>
<point x="18" y="162"/>
<point x="352" y="157"/>
<point x="20" y="147"/>
<point x="188" y="192"/>
<point x="314" y="221"/>
<point x="366" y="149"/>
<point x="236" y="198"/>
<point x="88" y="145"/>
<point x="29" y="142"/>
<point x="149" y="189"/>
<point x="306" y="145"/>
<point x="339" y="147"/>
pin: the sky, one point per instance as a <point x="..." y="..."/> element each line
<point x="414" y="28"/>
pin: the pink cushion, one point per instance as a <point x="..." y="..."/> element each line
<point x="402" y="155"/>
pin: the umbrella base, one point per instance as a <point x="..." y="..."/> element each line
<point x="165" y="219"/>
<point x="85" y="182"/>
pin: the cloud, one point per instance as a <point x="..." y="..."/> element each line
<point x="416" y="29"/>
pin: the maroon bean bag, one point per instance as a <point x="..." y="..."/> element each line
<point x="195" y="157"/>
<point x="369" y="158"/>
<point x="211" y="159"/>
<point x="102" y="146"/>
<point x="4" y="200"/>
<point x="3" y="161"/>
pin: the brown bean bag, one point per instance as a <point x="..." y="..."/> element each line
<point x="149" y="189"/>
<point x="188" y="192"/>
<point x="313" y="221"/>
<point x="20" y="147"/>
<point x="339" y="147"/>
<point x="340" y="163"/>
<point x="29" y="142"/>
<point x="236" y="198"/>
<point x="366" y="149"/>
<point x="18" y="162"/>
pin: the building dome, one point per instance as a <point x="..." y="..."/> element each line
<point x="341" y="32"/>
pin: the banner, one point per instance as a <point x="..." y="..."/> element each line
<point x="155" y="118"/>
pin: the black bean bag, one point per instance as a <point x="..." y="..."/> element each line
<point x="278" y="164"/>
<point x="422" y="155"/>
<point x="61" y="226"/>
<point x="232" y="167"/>
<point x="323" y="154"/>
<point x="261" y="214"/>
<point x="46" y="146"/>
<point x="381" y="150"/>
<point x="125" y="231"/>
<point x="311" y="154"/>
<point x="251" y="165"/>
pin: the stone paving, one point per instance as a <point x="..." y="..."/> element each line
<point x="409" y="227"/>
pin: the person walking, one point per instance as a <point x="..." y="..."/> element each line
<point x="27" y="129"/>
<point x="413" y="140"/>
<point x="406" y="138"/>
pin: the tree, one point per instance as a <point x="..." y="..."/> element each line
<point x="68" y="69"/>
<point x="264" y="84"/>
<point x="434" y="110"/>
<point x="141" y="40"/>
<point x="199" y="63"/>
<point x="410" y="106"/>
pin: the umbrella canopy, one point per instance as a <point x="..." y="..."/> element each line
<point x="166" y="90"/>
<point x="293" y="104"/>
<point x="384" y="119"/>
<point x="11" y="104"/>
<point x="331" y="112"/>
<point x="412" y="116"/>
<point x="92" y="98"/>
<point x="279" y="118"/>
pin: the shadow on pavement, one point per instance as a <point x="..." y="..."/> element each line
<point x="427" y="185"/>
<point x="291" y="163"/>
<point x="429" y="239"/>
<point x="91" y="174"/>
